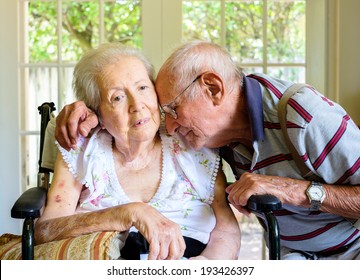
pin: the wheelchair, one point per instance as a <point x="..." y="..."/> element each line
<point x="30" y="204"/>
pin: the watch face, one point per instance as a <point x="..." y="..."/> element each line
<point x="315" y="192"/>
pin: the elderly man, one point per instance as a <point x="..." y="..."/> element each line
<point x="209" y="102"/>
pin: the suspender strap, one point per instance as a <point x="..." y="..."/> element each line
<point x="305" y="171"/>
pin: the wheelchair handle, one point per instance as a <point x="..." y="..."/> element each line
<point x="263" y="206"/>
<point x="263" y="203"/>
<point x="45" y="111"/>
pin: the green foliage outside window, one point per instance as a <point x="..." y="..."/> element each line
<point x="276" y="37"/>
<point x="255" y="33"/>
<point x="80" y="27"/>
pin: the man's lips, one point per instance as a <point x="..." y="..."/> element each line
<point x="183" y="132"/>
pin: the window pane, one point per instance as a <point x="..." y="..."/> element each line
<point x="252" y="70"/>
<point x="122" y="21"/>
<point x="202" y="20"/>
<point x="80" y="28"/>
<point x="67" y="94"/>
<point x="42" y="86"/>
<point x="29" y="159"/>
<point x="286" y="31"/>
<point x="244" y="33"/>
<point x="41" y="29"/>
<point x="294" y="74"/>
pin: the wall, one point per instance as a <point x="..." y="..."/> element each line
<point x="349" y="63"/>
<point x="9" y="120"/>
<point x="344" y="56"/>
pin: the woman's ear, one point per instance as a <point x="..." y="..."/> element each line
<point x="100" y="122"/>
<point x="215" y="86"/>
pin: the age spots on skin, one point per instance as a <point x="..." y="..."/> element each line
<point x="61" y="184"/>
<point x="58" y="198"/>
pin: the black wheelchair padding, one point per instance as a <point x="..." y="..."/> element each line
<point x="136" y="245"/>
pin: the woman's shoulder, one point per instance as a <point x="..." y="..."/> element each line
<point x="91" y="147"/>
<point x="90" y="157"/>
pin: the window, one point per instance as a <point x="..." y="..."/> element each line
<point x="263" y="36"/>
<point x="54" y="34"/>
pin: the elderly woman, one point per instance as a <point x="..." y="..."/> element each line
<point x="130" y="175"/>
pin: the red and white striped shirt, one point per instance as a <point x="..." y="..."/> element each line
<point x="325" y="137"/>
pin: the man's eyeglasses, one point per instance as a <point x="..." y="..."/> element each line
<point x="169" y="108"/>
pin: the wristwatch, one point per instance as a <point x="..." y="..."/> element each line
<point x="316" y="195"/>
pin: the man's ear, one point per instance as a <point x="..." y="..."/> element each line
<point x="214" y="86"/>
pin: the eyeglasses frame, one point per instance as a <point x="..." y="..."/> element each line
<point x="168" y="108"/>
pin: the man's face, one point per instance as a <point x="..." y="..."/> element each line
<point x="193" y="122"/>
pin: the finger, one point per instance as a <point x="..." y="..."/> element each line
<point x="176" y="249"/>
<point x="229" y="188"/>
<point x="154" y="250"/>
<point x="164" y="250"/>
<point x="74" y="120"/>
<point x="231" y="193"/>
<point x="66" y="124"/>
<point x="88" y="124"/>
<point x="61" y="135"/>
<point x="237" y="197"/>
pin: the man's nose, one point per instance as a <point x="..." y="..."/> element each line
<point x="171" y="125"/>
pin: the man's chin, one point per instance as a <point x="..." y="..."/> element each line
<point x="192" y="142"/>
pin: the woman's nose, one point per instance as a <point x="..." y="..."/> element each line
<point x="136" y="104"/>
<point x="171" y="125"/>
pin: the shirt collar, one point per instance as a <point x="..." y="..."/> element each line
<point x="253" y="96"/>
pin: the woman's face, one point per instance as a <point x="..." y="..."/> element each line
<point x="129" y="108"/>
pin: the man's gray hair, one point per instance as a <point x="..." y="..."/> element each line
<point x="88" y="70"/>
<point x="196" y="57"/>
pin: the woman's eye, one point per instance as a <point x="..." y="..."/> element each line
<point x="143" y="87"/>
<point x="118" y="98"/>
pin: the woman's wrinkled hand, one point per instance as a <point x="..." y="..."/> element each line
<point x="164" y="236"/>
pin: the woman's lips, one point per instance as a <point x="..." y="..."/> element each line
<point x="141" y="122"/>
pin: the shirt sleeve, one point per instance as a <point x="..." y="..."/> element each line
<point x="75" y="158"/>
<point x="328" y="138"/>
<point x="89" y="166"/>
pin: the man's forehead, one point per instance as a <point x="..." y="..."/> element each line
<point x="164" y="89"/>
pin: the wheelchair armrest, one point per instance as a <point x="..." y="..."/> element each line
<point x="263" y="203"/>
<point x="29" y="204"/>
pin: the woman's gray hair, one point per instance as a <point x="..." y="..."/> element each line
<point x="88" y="70"/>
<point x="196" y="57"/>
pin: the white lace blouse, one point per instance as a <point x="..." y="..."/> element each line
<point x="184" y="195"/>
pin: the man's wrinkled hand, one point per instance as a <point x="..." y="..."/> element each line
<point x="74" y="119"/>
